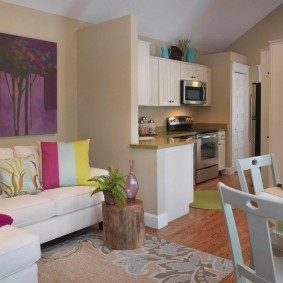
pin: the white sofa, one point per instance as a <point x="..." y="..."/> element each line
<point x="55" y="212"/>
<point x="19" y="252"/>
<point x="47" y="215"/>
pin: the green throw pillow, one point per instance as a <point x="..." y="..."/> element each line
<point x="19" y="176"/>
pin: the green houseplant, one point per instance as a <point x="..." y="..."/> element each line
<point x="112" y="186"/>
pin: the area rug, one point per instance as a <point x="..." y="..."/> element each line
<point x="84" y="259"/>
<point x="206" y="200"/>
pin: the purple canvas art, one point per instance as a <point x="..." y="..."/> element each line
<point x="28" y="86"/>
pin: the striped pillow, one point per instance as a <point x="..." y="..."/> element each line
<point x="64" y="164"/>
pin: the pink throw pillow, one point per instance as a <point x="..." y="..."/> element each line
<point x="5" y="220"/>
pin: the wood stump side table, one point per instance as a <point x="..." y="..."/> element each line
<point x="123" y="228"/>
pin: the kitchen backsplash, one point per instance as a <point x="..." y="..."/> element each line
<point x="159" y="114"/>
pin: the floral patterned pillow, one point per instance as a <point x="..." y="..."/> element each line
<point x="19" y="176"/>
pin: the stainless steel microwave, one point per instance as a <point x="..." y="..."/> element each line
<point x="193" y="92"/>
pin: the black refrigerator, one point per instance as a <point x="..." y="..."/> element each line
<point x="255" y="109"/>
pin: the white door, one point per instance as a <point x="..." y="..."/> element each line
<point x="240" y="115"/>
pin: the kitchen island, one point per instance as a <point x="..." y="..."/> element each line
<point x="164" y="168"/>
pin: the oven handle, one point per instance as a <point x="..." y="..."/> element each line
<point x="206" y="136"/>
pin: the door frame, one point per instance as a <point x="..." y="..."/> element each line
<point x="243" y="69"/>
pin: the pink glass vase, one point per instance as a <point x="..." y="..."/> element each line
<point x="132" y="185"/>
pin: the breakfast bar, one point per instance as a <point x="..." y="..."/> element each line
<point x="164" y="166"/>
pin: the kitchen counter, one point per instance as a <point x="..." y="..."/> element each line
<point x="164" y="140"/>
<point x="164" y="168"/>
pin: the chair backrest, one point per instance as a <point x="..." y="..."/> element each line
<point x="255" y="164"/>
<point x="257" y="210"/>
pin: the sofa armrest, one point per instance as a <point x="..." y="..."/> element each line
<point x="98" y="171"/>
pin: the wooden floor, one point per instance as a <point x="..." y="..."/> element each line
<point x="205" y="229"/>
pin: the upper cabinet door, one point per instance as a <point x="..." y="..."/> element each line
<point x="153" y="81"/>
<point x="169" y="82"/>
<point x="143" y="73"/>
<point x="193" y="72"/>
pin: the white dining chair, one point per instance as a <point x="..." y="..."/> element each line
<point x="255" y="165"/>
<point x="258" y="210"/>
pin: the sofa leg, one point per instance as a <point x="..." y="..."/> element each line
<point x="100" y="225"/>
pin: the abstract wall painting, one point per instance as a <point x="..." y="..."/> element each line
<point x="28" y="86"/>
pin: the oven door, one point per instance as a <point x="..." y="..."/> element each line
<point x="207" y="150"/>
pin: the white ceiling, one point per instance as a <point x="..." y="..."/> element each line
<point x="212" y="25"/>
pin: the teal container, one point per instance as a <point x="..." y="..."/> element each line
<point x="191" y="55"/>
<point x="165" y="52"/>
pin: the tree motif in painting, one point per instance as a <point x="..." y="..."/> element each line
<point x="21" y="64"/>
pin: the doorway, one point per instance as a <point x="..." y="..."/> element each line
<point x="240" y="112"/>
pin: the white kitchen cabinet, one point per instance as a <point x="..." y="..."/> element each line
<point x="143" y="73"/>
<point x="193" y="72"/>
<point x="208" y="87"/>
<point x="169" y="82"/>
<point x="153" y="81"/>
<point x="167" y="185"/>
<point x="221" y="150"/>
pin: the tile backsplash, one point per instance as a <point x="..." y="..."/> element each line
<point x="159" y="114"/>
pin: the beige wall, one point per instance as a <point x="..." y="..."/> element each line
<point x="221" y="78"/>
<point x="107" y="69"/>
<point x="31" y="23"/>
<point x="250" y="44"/>
<point x="159" y="114"/>
<point x="270" y="28"/>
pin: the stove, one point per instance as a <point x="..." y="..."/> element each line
<point x="179" y="123"/>
<point x="206" y="148"/>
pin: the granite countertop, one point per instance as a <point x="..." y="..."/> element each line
<point x="165" y="139"/>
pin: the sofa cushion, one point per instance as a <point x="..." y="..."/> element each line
<point x="18" y="249"/>
<point x="5" y="220"/>
<point x="69" y="199"/>
<point x="6" y="153"/>
<point x="25" y="150"/>
<point x="19" y="176"/>
<point x="64" y="164"/>
<point x="27" y="209"/>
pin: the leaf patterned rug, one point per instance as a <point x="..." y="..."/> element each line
<point x="84" y="259"/>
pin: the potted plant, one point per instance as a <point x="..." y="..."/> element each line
<point x="112" y="186"/>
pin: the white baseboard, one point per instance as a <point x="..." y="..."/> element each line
<point x="155" y="221"/>
<point x="228" y="171"/>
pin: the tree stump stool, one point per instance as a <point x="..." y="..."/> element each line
<point x="123" y="228"/>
